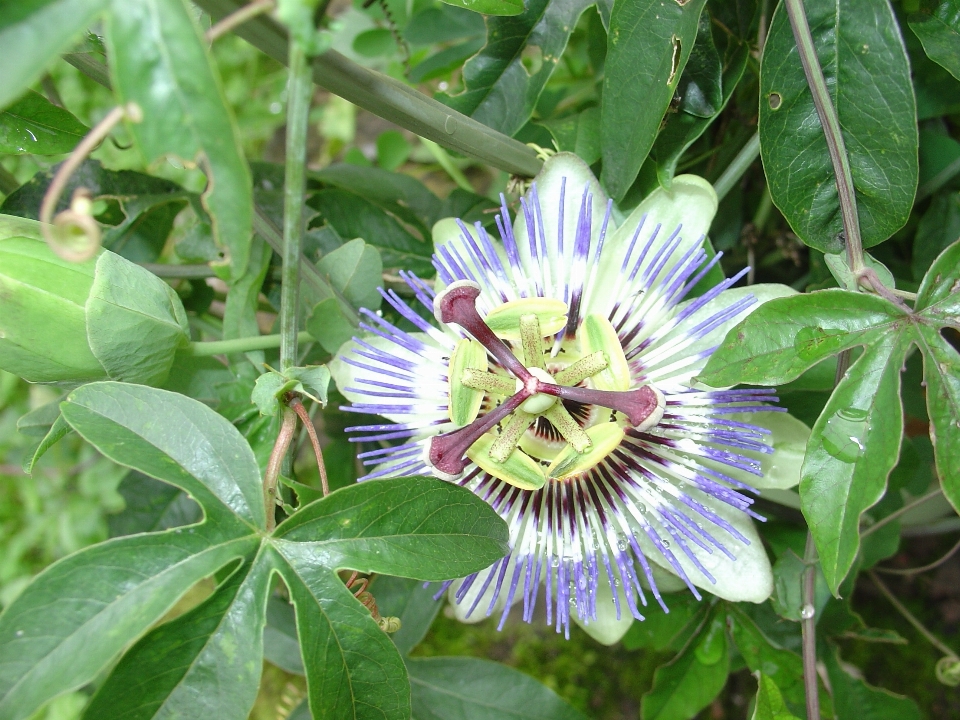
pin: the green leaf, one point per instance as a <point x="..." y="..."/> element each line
<point x="504" y="80"/>
<point x="941" y="372"/>
<point x="121" y="422"/>
<point x="353" y="670"/>
<point x="777" y="665"/>
<point x="693" y="679"/>
<point x="330" y="325"/>
<point x="399" y="195"/>
<point x="353" y="216"/>
<point x="770" y="705"/>
<point x="422" y="528"/>
<point x="135" y="321"/>
<point x="667" y="631"/>
<point x="939" y="294"/>
<point x="839" y="480"/>
<point x="410" y="602"/>
<point x="392" y="150"/>
<point x="106" y="596"/>
<point x="151" y="505"/>
<point x="184" y="111"/>
<point x="36" y="126"/>
<point x="57" y="431"/>
<point x="853" y="699"/>
<point x="461" y="688"/>
<point x="206" y="662"/>
<point x="938" y="27"/>
<point x="355" y="269"/>
<point x="647" y="49"/>
<point x="579" y="134"/>
<point x="33" y="33"/>
<point x="786" y="336"/>
<point x="705" y="87"/>
<point x="868" y="77"/>
<point x="489" y="7"/>
<point x="141" y="208"/>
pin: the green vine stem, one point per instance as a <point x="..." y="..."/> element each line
<point x="897" y="513"/>
<point x="831" y="130"/>
<point x="288" y="424"/>
<point x="299" y="93"/>
<point x="244" y="344"/>
<point x="808" y="626"/>
<point x="389" y="98"/>
<point x="735" y="170"/>
<point x="909" y="617"/>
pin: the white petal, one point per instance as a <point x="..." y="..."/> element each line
<point x="690" y="202"/>
<point x="672" y="357"/>
<point x="748" y="578"/>
<point x="431" y="376"/>
<point x="566" y="171"/>
<point x="606" y="629"/>
<point x="461" y="609"/>
<point x="781" y="470"/>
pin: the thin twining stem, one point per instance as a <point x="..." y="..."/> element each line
<point x="288" y="425"/>
<point x="905" y="509"/>
<point x="239" y="17"/>
<point x="908" y="616"/>
<point x="130" y="111"/>
<point x="307" y="421"/>
<point x="808" y="626"/>
<point x="923" y="568"/>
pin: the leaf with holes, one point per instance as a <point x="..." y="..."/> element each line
<point x="184" y="111"/>
<point x="868" y="77"/>
<point x="504" y="80"/>
<point x="647" y="50"/>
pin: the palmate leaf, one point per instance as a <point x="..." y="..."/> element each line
<point x="856" y="441"/>
<point x="82" y="612"/>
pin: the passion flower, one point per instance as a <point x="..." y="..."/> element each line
<point x="559" y="384"/>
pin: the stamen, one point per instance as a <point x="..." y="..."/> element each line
<point x="445" y="452"/>
<point x="488" y="382"/>
<point x="507" y="441"/>
<point x="531" y="340"/>
<point x="582" y="369"/>
<point x="458" y="304"/>
<point x="568" y="428"/>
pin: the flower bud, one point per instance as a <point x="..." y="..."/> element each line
<point x="105" y="318"/>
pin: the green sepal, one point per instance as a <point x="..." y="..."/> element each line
<point x="604" y="439"/>
<point x="504" y="320"/>
<point x="598" y="335"/>
<point x="519" y="469"/>
<point x="465" y="402"/>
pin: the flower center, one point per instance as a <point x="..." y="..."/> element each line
<point x="533" y="392"/>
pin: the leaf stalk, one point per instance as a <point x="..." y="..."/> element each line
<point x="831" y="130"/>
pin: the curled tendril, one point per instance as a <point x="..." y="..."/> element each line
<point x="74" y="234"/>
<point x="358" y="586"/>
<point x="948" y="670"/>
